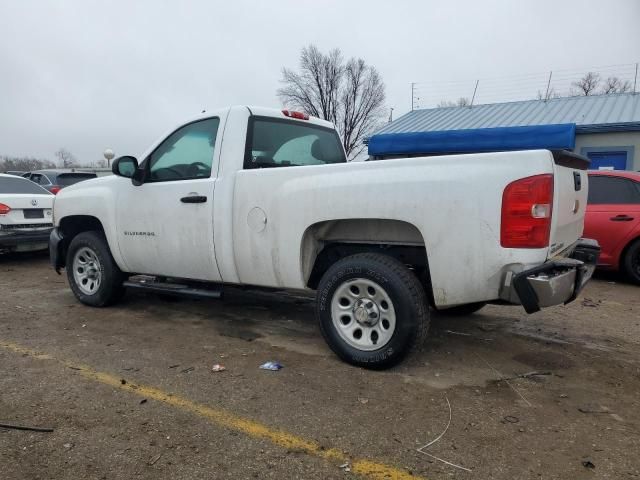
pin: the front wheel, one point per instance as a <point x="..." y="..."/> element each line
<point x="372" y="310"/>
<point x="93" y="275"/>
<point x="631" y="262"/>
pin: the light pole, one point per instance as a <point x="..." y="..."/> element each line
<point x="108" y="155"/>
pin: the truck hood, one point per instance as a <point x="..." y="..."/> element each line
<point x="87" y="184"/>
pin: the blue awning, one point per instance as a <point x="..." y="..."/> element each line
<point x="549" y="137"/>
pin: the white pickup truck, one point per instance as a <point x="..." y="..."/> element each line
<point x="263" y="197"/>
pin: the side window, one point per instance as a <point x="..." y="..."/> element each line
<point x="612" y="190"/>
<point x="273" y="142"/>
<point x="35" y="177"/>
<point x="185" y="154"/>
<point x="43" y="180"/>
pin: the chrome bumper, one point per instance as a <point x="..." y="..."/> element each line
<point x="555" y="282"/>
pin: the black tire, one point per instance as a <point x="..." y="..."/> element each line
<point x="407" y="301"/>
<point x="110" y="288"/>
<point x="462" y="310"/>
<point x="631" y="262"/>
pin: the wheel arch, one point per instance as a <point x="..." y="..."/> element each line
<point x="324" y="243"/>
<point x="72" y="225"/>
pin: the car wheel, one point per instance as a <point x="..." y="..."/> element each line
<point x="462" y="310"/>
<point x="93" y="275"/>
<point x="372" y="310"/>
<point x="631" y="262"/>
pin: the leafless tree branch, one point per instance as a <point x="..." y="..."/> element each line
<point x="348" y="93"/>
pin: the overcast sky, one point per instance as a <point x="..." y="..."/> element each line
<point x="86" y="75"/>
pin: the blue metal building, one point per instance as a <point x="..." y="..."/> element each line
<point x="605" y="128"/>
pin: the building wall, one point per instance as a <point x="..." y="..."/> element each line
<point x="627" y="141"/>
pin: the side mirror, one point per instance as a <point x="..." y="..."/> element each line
<point x="125" y="166"/>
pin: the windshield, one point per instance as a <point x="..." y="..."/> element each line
<point x="275" y="142"/>
<point x="20" y="185"/>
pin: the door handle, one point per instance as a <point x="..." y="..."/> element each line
<point x="621" y="218"/>
<point x="194" y="199"/>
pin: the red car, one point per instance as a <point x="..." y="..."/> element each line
<point x="613" y="219"/>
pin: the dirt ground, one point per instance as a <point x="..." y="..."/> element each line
<point x="552" y="395"/>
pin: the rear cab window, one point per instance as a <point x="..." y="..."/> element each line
<point x="18" y="185"/>
<point x="275" y="142"/>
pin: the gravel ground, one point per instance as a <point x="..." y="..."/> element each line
<point x="552" y="395"/>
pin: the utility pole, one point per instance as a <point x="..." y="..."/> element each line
<point x="474" y="93"/>
<point x="546" y="95"/>
<point x="391" y="115"/>
<point x="412" y="94"/>
<point x="635" y="79"/>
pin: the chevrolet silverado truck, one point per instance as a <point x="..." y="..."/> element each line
<point x="265" y="198"/>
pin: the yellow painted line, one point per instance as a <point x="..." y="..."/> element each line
<point x="363" y="467"/>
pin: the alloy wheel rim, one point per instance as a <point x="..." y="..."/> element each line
<point x="87" y="271"/>
<point x="363" y="314"/>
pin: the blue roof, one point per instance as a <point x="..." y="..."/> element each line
<point x="552" y="137"/>
<point x="596" y="113"/>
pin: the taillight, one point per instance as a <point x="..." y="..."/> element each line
<point x="526" y="212"/>
<point x="55" y="189"/>
<point x="298" y="115"/>
<point x="4" y="209"/>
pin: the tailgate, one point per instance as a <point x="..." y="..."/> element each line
<point x="571" y="188"/>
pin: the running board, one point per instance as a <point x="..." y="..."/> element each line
<point x="176" y="289"/>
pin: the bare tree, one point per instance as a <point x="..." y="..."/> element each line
<point x="65" y="158"/>
<point x="551" y="93"/>
<point x="615" y="85"/>
<point x="461" y="102"/>
<point x="23" y="164"/>
<point x="348" y="93"/>
<point x="588" y="84"/>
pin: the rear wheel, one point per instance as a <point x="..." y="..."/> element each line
<point x="93" y="275"/>
<point x="631" y="262"/>
<point x="462" y="310"/>
<point x="372" y="310"/>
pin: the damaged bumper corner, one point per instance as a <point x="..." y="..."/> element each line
<point x="56" y="251"/>
<point x="555" y="282"/>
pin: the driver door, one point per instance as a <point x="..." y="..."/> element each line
<point x="165" y="225"/>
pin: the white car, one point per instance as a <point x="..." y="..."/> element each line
<point x="263" y="197"/>
<point x="26" y="217"/>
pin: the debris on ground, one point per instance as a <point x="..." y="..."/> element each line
<point x="187" y="370"/>
<point x="144" y="400"/>
<point x="435" y="440"/>
<point x="591" y="409"/>
<point x="487" y="327"/>
<point x="154" y="459"/>
<point x="24" y="427"/>
<point x="511" y="419"/>
<point x="68" y="445"/>
<point x="271" y="366"/>
<point x="587" y="302"/>
<point x="363" y="400"/>
<point x="174" y="366"/>
<point x="218" y="368"/>
<point x="345" y="467"/>
<point x="123" y="381"/>
<point x="588" y="464"/>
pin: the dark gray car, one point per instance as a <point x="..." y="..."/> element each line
<point x="55" y="180"/>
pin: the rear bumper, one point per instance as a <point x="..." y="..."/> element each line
<point x="16" y="238"/>
<point x="555" y="282"/>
